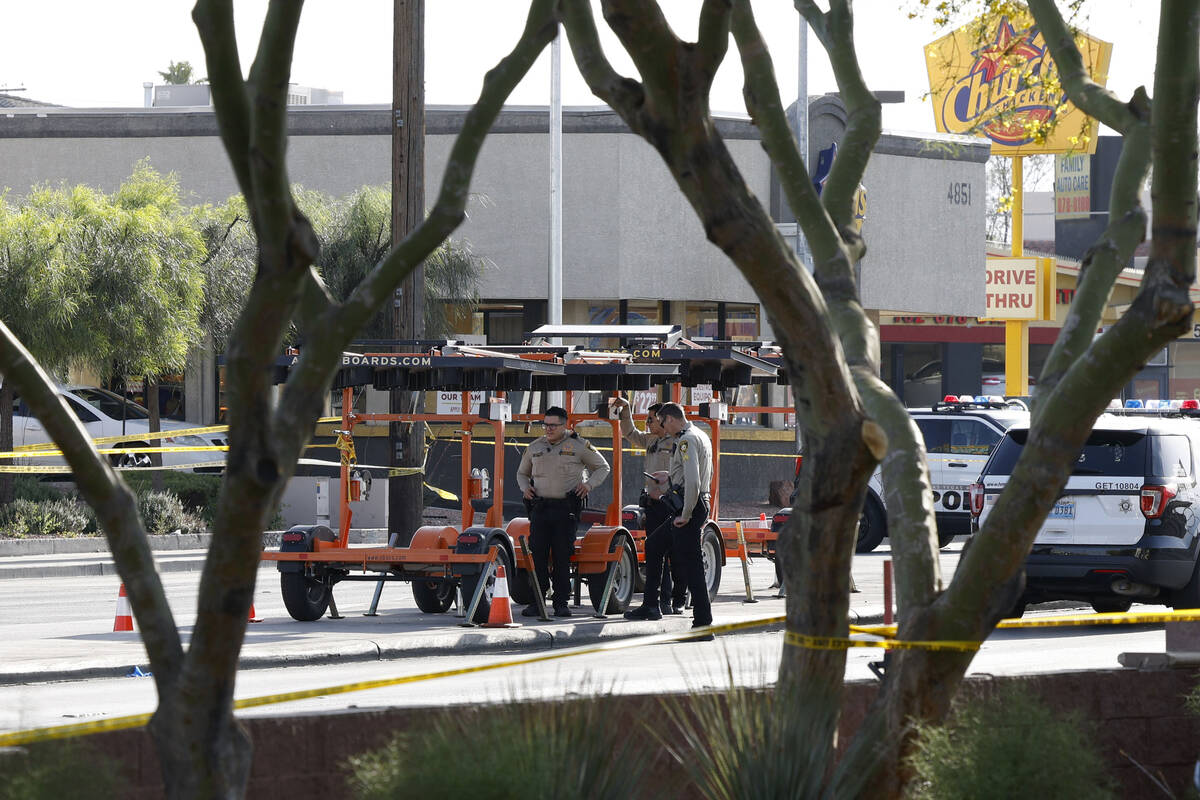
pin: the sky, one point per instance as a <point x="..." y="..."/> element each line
<point x="85" y="53"/>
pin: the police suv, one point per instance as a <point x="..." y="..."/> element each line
<point x="960" y="433"/>
<point x="1125" y="528"/>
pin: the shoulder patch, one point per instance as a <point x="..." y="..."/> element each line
<point x="683" y="447"/>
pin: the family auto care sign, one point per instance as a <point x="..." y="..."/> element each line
<point x="994" y="77"/>
<point x="1019" y="288"/>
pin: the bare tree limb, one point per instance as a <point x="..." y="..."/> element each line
<point x="231" y="102"/>
<point x="113" y="502"/>
<point x="323" y="356"/>
<point x="712" y="40"/>
<point x="1104" y="260"/>
<point x="268" y="81"/>
<point x="816" y="19"/>
<point x="1089" y="96"/>
<point x="864" y="119"/>
<point x="645" y="34"/>
<point x="625" y="95"/>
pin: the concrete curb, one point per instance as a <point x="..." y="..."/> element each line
<point x="467" y="641"/>
<point x="166" y="541"/>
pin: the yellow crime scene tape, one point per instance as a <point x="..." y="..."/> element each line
<point x="797" y="640"/>
<point x="28" y="448"/>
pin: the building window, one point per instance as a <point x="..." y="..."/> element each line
<point x="1184" y="380"/>
<point x="741" y="322"/>
<point x="700" y="320"/>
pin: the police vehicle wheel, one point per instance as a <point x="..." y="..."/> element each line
<point x="131" y="459"/>
<point x="624" y="582"/>
<point x="944" y="538"/>
<point x="1111" y="605"/>
<point x="469" y="582"/>
<point x="1189" y="595"/>
<point x="306" y="599"/>
<point x="712" y="546"/>
<point x="434" y="597"/>
<point x="872" y="525"/>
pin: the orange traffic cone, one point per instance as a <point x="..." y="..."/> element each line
<point x="500" y="615"/>
<point x="124" y="618"/>
<point x="254" y="617"/>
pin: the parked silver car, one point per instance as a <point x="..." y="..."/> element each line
<point x="104" y="413"/>
<point x="924" y="387"/>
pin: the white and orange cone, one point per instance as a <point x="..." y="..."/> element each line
<point x="253" y="617"/>
<point x="124" y="618"/>
<point x="500" y="614"/>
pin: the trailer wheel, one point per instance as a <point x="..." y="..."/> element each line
<point x="434" y="597"/>
<point x="624" y="582"/>
<point x="520" y="587"/>
<point x="712" y="547"/>
<point x="306" y="599"/>
<point x="469" y="582"/>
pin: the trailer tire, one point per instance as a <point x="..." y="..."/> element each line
<point x="434" y="597"/>
<point x="624" y="583"/>
<point x="306" y="598"/>
<point x="712" y="548"/>
<point x="469" y="582"/>
<point x="520" y="587"/>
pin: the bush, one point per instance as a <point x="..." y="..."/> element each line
<point x="27" y="487"/>
<point x="59" y="770"/>
<point x="22" y="519"/>
<point x="1008" y="745"/>
<point x="524" y="751"/>
<point x="197" y="491"/>
<point x="163" y="512"/>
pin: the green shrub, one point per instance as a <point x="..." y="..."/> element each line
<point x="22" y="519"/>
<point x="27" y="487"/>
<point x="197" y="491"/>
<point x="1008" y="745"/>
<point x="744" y="742"/>
<point x="524" y="751"/>
<point x="163" y="512"/>
<point x="59" y="770"/>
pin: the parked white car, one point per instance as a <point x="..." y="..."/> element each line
<point x="104" y="413"/>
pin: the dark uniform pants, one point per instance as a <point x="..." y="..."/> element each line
<point x="685" y="551"/>
<point x="552" y="526"/>
<point x="672" y="583"/>
<point x="683" y="546"/>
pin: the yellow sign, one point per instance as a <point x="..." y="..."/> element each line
<point x="994" y="77"/>
<point x="1016" y="288"/>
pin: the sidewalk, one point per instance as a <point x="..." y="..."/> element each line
<point x="74" y="640"/>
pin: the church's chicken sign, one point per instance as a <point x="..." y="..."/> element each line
<point x="994" y="77"/>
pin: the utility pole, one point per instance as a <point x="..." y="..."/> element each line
<point x="406" y="492"/>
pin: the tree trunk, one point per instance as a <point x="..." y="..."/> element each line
<point x="7" y="398"/>
<point x="200" y="757"/>
<point x="150" y="385"/>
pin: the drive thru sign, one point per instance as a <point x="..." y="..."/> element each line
<point x="1017" y="288"/>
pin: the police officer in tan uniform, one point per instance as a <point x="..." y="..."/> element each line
<point x="557" y="471"/>
<point x="691" y="482"/>
<point x="659" y="448"/>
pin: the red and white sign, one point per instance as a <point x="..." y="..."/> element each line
<point x="1013" y="288"/>
<point x="643" y="399"/>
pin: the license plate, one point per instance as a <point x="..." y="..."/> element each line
<point x="1063" y="509"/>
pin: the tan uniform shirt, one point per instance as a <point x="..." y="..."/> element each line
<point x="691" y="466"/>
<point x="554" y="470"/>
<point x="659" y="450"/>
